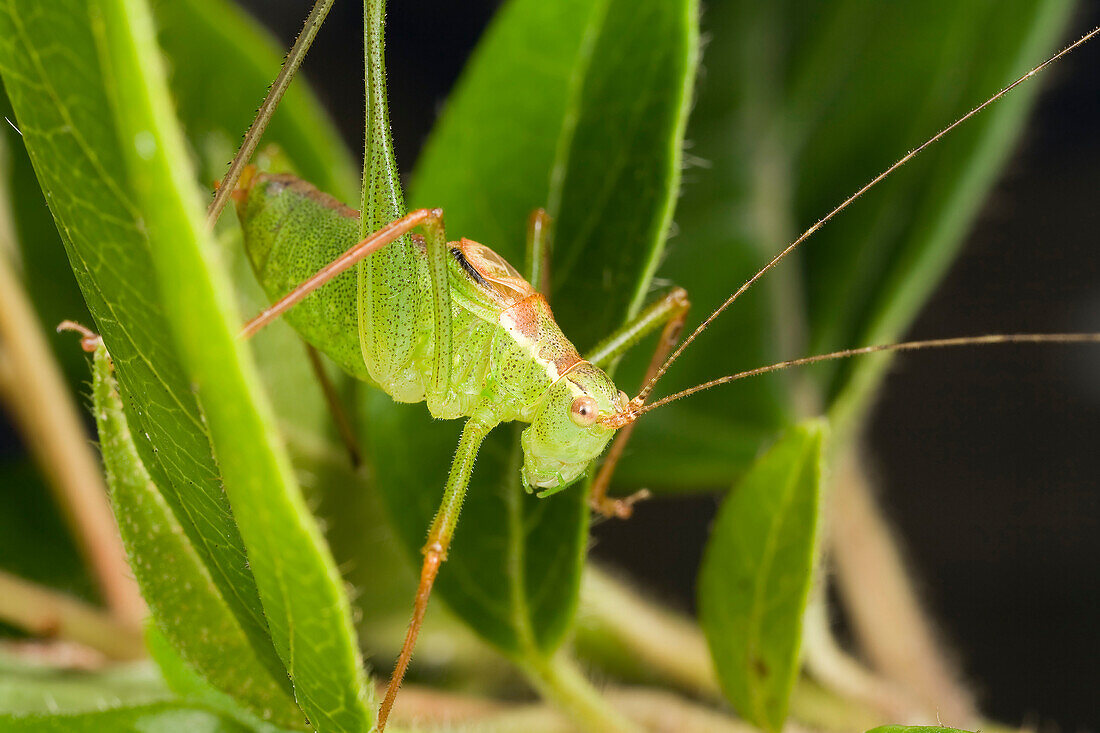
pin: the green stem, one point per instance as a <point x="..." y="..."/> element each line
<point x="559" y="681"/>
<point x="624" y="632"/>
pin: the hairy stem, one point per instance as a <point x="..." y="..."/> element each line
<point x="617" y="623"/>
<point x="559" y="681"/>
<point x="39" y="401"/>
<point x="653" y="709"/>
<point x="639" y="640"/>
<point x="47" y="613"/>
<point x="839" y="672"/>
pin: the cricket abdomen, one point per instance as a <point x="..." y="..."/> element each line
<point x="507" y="349"/>
<point x="291" y="230"/>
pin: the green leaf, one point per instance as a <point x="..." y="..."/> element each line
<point x="797" y="110"/>
<point x="64" y="114"/>
<point x="191" y="688"/>
<point x="218" y="57"/>
<point x="165" y="717"/>
<point x="756" y="574"/>
<point x="554" y="92"/>
<point x="915" y="729"/>
<point x="178" y="588"/>
<point x="882" y="264"/>
<point x="41" y="264"/>
<point x="301" y="590"/>
<point x="163" y="315"/>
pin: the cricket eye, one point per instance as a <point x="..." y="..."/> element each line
<point x="583" y="411"/>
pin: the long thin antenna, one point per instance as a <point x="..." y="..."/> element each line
<point x="616" y="421"/>
<point x="648" y="388"/>
<point x="267" y="109"/>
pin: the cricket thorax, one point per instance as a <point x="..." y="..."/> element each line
<point x="528" y="351"/>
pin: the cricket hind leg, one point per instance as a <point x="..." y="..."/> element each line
<point x="336" y="409"/>
<point x="351" y="257"/>
<point x="431" y="221"/>
<point x="435" y="549"/>
<point x="671" y="313"/>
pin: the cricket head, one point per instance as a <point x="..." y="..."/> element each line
<point x="569" y="429"/>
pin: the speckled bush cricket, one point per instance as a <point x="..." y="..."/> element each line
<point x="483" y="344"/>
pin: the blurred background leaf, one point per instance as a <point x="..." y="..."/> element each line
<point x="166" y="717"/>
<point x="29" y="686"/>
<point x="800" y="106"/>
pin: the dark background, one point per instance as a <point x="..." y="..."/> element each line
<point x="988" y="465"/>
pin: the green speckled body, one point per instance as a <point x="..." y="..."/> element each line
<point x="508" y="350"/>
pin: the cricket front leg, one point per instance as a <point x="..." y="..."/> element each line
<point x="435" y="549"/>
<point x="671" y="312"/>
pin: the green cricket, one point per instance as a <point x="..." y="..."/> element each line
<point x="454" y="325"/>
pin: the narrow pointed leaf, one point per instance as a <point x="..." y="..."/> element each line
<point x="182" y="596"/>
<point x="111" y="161"/>
<point x="299" y="586"/>
<point x="63" y="111"/>
<point x="756" y="576"/>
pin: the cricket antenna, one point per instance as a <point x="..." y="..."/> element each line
<point x="639" y="401"/>
<point x="632" y="414"/>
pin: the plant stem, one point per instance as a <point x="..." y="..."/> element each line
<point x="615" y="622"/>
<point x="50" y="614"/>
<point x="886" y="612"/>
<point x="653" y="709"/>
<point x="559" y="681"/>
<point x="47" y="417"/>
<point x="839" y="672"/>
<point x="634" y="637"/>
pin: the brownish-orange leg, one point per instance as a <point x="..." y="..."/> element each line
<point x="672" y="310"/>
<point x="435" y="550"/>
<point x="373" y="243"/>
<point x="434" y="555"/>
